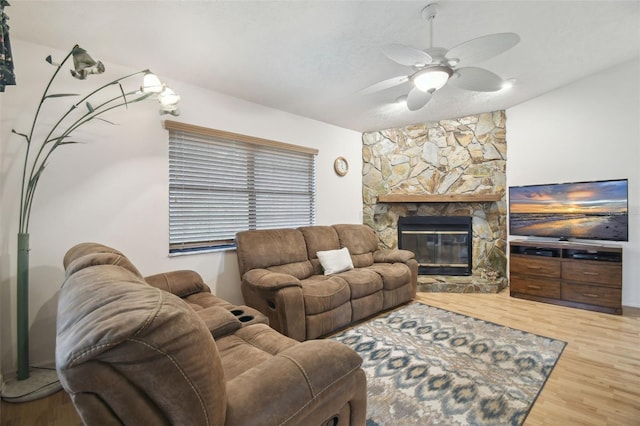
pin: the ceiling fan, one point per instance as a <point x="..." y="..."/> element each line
<point x="434" y="67"/>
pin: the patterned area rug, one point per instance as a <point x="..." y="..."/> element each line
<point x="425" y="366"/>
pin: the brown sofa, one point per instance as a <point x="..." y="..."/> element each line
<point x="283" y="278"/>
<point x="165" y="351"/>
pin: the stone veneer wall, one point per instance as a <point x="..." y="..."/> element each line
<point x="460" y="156"/>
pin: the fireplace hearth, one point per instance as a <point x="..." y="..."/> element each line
<point x="443" y="245"/>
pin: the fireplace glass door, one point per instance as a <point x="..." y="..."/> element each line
<point x="442" y="245"/>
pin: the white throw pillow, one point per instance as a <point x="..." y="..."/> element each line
<point x="334" y="261"/>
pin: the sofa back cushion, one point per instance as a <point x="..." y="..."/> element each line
<point x="129" y="352"/>
<point x="361" y="242"/>
<point x="278" y="250"/>
<point x="319" y="238"/>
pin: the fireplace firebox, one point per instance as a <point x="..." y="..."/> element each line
<point x="442" y="244"/>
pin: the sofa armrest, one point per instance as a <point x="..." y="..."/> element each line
<point x="392" y="256"/>
<point x="181" y="283"/>
<point x="267" y="280"/>
<point x="219" y="321"/>
<point x="313" y="378"/>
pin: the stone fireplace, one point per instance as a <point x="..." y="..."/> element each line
<point x="451" y="168"/>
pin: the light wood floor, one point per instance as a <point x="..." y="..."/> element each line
<point x="596" y="380"/>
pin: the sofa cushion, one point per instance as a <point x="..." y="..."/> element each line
<point x="249" y="347"/>
<point x="393" y="275"/>
<point x="182" y="283"/>
<point x="319" y="238"/>
<point x="361" y="242"/>
<point x="268" y="248"/>
<point x="299" y="270"/>
<point x="362" y="282"/>
<point x="322" y="293"/>
<point x="334" y="261"/>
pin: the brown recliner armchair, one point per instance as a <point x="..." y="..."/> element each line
<point x="167" y="351"/>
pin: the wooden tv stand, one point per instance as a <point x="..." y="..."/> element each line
<point x="584" y="276"/>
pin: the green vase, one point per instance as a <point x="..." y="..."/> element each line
<point x="23" y="306"/>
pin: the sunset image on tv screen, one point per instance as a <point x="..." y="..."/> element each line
<point x="589" y="210"/>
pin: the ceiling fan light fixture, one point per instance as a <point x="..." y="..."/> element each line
<point x="432" y="78"/>
<point x="508" y="84"/>
<point x="402" y="100"/>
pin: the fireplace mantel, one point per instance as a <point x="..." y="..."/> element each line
<point x="438" y="198"/>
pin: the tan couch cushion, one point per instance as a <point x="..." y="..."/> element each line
<point x="319" y="238"/>
<point x="361" y="242"/>
<point x="393" y="275"/>
<point x="362" y="282"/>
<point x="273" y="249"/>
<point x="323" y="293"/>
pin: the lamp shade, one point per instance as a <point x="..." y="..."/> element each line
<point x="84" y="64"/>
<point x="432" y="78"/>
<point x="168" y="97"/>
<point x="151" y="83"/>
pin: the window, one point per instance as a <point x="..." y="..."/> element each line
<point x="221" y="183"/>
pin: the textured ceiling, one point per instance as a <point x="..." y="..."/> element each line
<point x="314" y="58"/>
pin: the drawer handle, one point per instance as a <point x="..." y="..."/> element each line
<point x="590" y="273"/>
<point x="533" y="267"/>
<point x="594" y="296"/>
<point x="534" y="287"/>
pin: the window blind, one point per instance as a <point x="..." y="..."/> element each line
<point x="221" y="183"/>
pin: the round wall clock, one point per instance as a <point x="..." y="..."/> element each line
<point x="341" y="166"/>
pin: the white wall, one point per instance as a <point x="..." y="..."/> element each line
<point x="114" y="188"/>
<point x="589" y="130"/>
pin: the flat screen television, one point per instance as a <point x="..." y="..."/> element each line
<point x="596" y="210"/>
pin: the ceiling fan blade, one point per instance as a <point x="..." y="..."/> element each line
<point x="476" y="79"/>
<point x="405" y="55"/>
<point x="385" y="84"/>
<point x="482" y="48"/>
<point x="417" y="99"/>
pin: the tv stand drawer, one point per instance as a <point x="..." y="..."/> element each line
<point x="592" y="295"/>
<point x="609" y="274"/>
<point x="532" y="265"/>
<point x="535" y="287"/>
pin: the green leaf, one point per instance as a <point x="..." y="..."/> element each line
<point x="21" y="134"/>
<point x="126" y="105"/>
<point x="140" y="98"/>
<point x="36" y="176"/>
<point x="60" y="95"/>
<point x="106" y="121"/>
<point x="89" y="107"/>
<point x="56" y="139"/>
